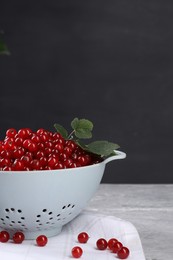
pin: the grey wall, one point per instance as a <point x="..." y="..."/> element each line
<point x="108" y="61"/>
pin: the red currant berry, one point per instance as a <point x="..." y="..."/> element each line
<point x="6" y="154"/>
<point x="26" y="143"/>
<point x="18" y="165"/>
<point x="9" y="144"/>
<point x="35" y="164"/>
<point x="18" y="237"/>
<point x="68" y="162"/>
<point x="24" y="133"/>
<point x="56" y="136"/>
<point x="111" y="243"/>
<point x="11" y="132"/>
<point x="52" y="161"/>
<point x="71" y="144"/>
<point x="43" y="161"/>
<point x="59" y="147"/>
<point x="18" y="153"/>
<point x="68" y="150"/>
<point x="4" y="236"/>
<point x="101" y="244"/>
<point x="83" y="237"/>
<point x="32" y="147"/>
<point x="44" y="137"/>
<point x="26" y="160"/>
<point x="5" y="162"/>
<point x="84" y="160"/>
<point x="76" y="252"/>
<point x="116" y="247"/>
<point x="19" y="141"/>
<point x="35" y="138"/>
<point x="123" y="253"/>
<point x="41" y="240"/>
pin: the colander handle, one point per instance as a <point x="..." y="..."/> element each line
<point x="119" y="155"/>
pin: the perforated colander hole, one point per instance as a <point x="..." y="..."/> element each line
<point x="44" y="210"/>
<point x="8" y="210"/>
<point x="22" y="218"/>
<point x="63" y="207"/>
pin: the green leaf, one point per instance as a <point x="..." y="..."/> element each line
<point x="82" y="128"/>
<point x="60" y="129"/>
<point x="103" y="148"/>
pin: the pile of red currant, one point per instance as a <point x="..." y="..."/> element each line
<point x="112" y="244"/>
<point x="27" y="150"/>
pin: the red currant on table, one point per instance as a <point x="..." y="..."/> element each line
<point x="41" y="240"/>
<point x="111" y="243"/>
<point x="76" y="252"/>
<point x="18" y="237"/>
<point x="4" y="236"/>
<point x="101" y="244"/>
<point x="116" y="247"/>
<point x="123" y="253"/>
<point x="83" y="237"/>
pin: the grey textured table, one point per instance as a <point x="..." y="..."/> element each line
<point x="148" y="207"/>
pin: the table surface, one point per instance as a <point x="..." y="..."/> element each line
<point x="149" y="207"/>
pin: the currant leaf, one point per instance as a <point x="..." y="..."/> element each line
<point x="82" y="128"/>
<point x="60" y="129"/>
<point x="103" y="148"/>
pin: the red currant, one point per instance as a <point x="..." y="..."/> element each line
<point x="41" y="240"/>
<point x="18" y="165"/>
<point x="24" y="133"/>
<point x="11" y="132"/>
<point x="4" y="236"/>
<point x="52" y="161"/>
<point x="83" y="237"/>
<point x="18" y="237"/>
<point x="116" y="247"/>
<point x="111" y="243"/>
<point x="26" y="160"/>
<point x="18" y="153"/>
<point x="76" y="252"/>
<point x="5" y="162"/>
<point x="123" y="253"/>
<point x="101" y="244"/>
<point x="35" y="164"/>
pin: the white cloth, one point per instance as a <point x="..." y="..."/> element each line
<point x="59" y="247"/>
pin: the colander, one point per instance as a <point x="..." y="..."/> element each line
<point x="42" y="202"/>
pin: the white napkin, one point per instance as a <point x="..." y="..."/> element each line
<point x="59" y="247"/>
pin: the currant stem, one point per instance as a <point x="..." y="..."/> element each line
<point x="71" y="135"/>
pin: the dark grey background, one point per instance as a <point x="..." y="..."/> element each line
<point x="108" y="61"/>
